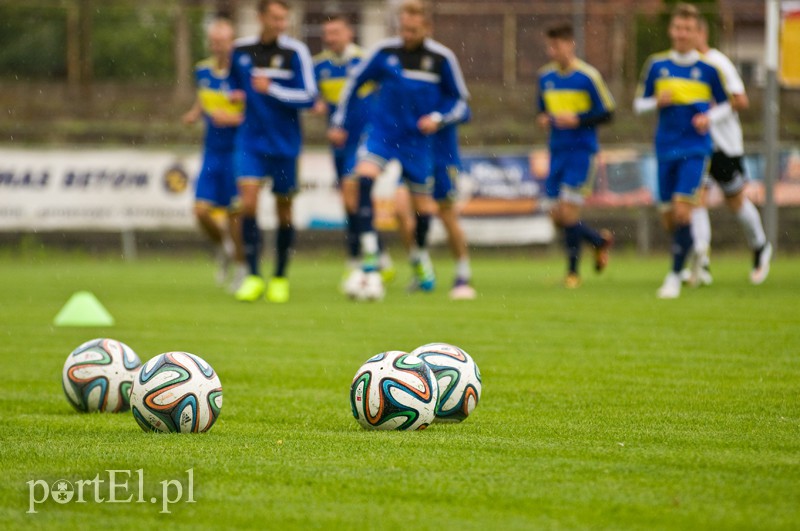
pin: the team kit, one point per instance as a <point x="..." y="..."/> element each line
<point x="403" y="100"/>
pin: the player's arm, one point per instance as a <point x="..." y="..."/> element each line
<point x="193" y="114"/>
<point x="645" y="100"/>
<point x="733" y="83"/>
<point x="543" y="119"/>
<point x="721" y="109"/>
<point x="603" y="104"/>
<point x="304" y="93"/>
<point x="367" y="70"/>
<point x="453" y="108"/>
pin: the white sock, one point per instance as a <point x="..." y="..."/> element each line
<point x="369" y="243"/>
<point x="701" y="231"/>
<point x="750" y="220"/>
<point x="463" y="270"/>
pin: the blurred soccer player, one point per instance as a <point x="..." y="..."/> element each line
<point x="216" y="184"/>
<point x="683" y="87"/>
<point x="421" y="88"/>
<point x="275" y="75"/>
<point x="446" y="167"/>
<point x="573" y="101"/>
<point x="331" y="68"/>
<point x="728" y="171"/>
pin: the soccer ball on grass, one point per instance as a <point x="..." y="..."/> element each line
<point x="98" y="375"/>
<point x="176" y="392"/>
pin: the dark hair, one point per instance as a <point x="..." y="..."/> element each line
<point x="562" y="31"/>
<point x="263" y="5"/>
<point x="417" y="7"/>
<point x="336" y="16"/>
<point x="684" y="10"/>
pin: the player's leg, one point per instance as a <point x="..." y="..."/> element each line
<point x="577" y="184"/>
<point x="284" y="174"/>
<point x="344" y="161"/>
<point x="699" y="271"/>
<point x="207" y="195"/>
<point x="365" y="282"/>
<point x="552" y="188"/>
<point x="405" y="216"/>
<point x="251" y="170"/>
<point x="424" y="207"/>
<point x="227" y="198"/>
<point x="729" y="172"/>
<point x="684" y="177"/>
<point x="445" y="194"/>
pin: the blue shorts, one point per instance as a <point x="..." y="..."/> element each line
<point x="216" y="183"/>
<point x="444" y="182"/>
<point x="416" y="160"/>
<point x="282" y="170"/>
<point x="345" y="160"/>
<point x="680" y="178"/>
<point x="571" y="175"/>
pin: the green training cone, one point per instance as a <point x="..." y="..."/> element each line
<point x="83" y="309"/>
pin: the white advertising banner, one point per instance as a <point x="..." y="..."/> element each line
<point x="112" y="190"/>
<point x="139" y="189"/>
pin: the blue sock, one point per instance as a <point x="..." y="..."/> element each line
<point x="365" y="208"/>
<point x="572" y="241"/>
<point x="421" y="230"/>
<point x="283" y="244"/>
<point x="682" y="243"/>
<point x="590" y="235"/>
<point x="251" y="237"/>
<point x="353" y="243"/>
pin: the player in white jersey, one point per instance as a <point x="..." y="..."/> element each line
<point x="728" y="171"/>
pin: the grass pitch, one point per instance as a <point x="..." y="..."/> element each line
<point x="602" y="407"/>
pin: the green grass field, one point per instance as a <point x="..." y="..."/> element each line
<point x="602" y="407"/>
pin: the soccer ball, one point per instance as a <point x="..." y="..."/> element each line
<point x="176" y="392"/>
<point x="394" y="391"/>
<point x="458" y="379"/>
<point x="98" y="375"/>
<point x="363" y="286"/>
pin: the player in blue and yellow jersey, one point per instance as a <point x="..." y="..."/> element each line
<point x="688" y="93"/>
<point x="216" y="184"/>
<point x="573" y="100"/>
<point x="420" y="89"/>
<point x="331" y="68"/>
<point x="275" y="75"/>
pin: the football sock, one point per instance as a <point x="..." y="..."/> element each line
<point x="351" y="237"/>
<point x="681" y="246"/>
<point x="589" y="234"/>
<point x="251" y="238"/>
<point x="572" y="241"/>
<point x="751" y="223"/>
<point x="421" y="230"/>
<point x="369" y="248"/>
<point x="365" y="208"/>
<point x="283" y="244"/>
<point x="463" y="269"/>
<point x="701" y="231"/>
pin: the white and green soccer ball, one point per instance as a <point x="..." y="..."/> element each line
<point x="176" y="392"/>
<point x="394" y="390"/>
<point x="98" y="376"/>
<point x="457" y="377"/>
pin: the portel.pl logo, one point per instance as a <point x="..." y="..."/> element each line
<point x="120" y="486"/>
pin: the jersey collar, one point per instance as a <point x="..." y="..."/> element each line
<point x="684" y="59"/>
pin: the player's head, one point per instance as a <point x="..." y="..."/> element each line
<point x="702" y="34"/>
<point x="415" y="22"/>
<point x="220" y="38"/>
<point x="684" y="27"/>
<point x="336" y="32"/>
<point x="274" y="18"/>
<point x="561" y="44"/>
